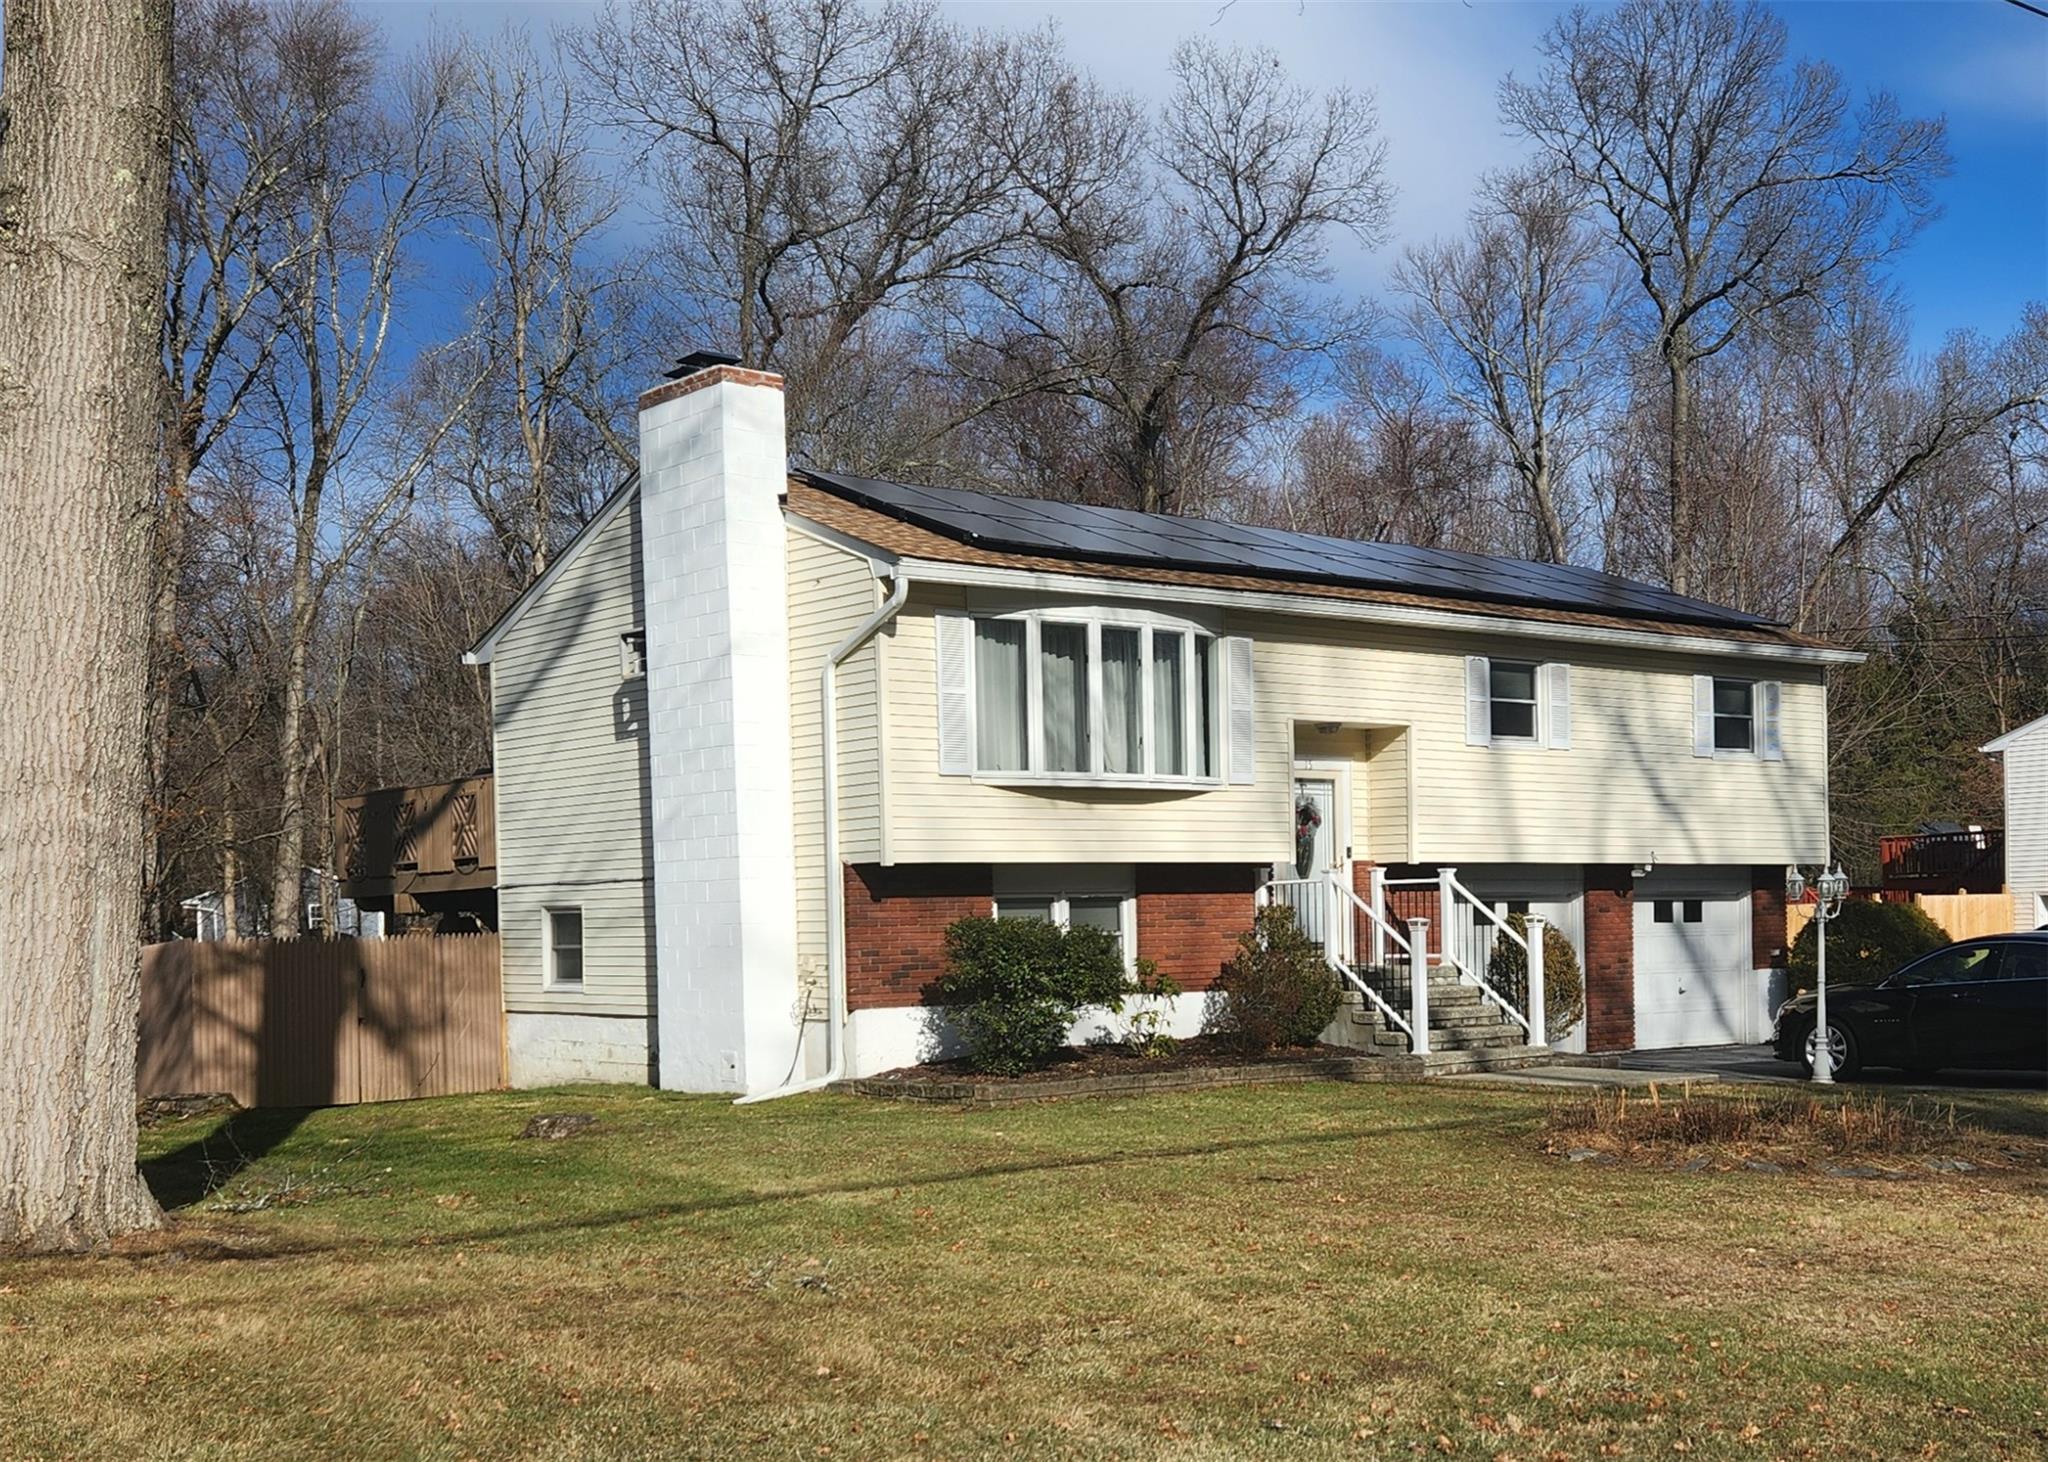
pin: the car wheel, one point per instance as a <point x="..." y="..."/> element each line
<point x="1841" y="1046"/>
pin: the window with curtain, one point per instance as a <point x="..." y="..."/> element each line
<point x="1086" y="698"/>
<point x="1169" y="705"/>
<point x="1000" y="699"/>
<point x="1123" y="701"/>
<point x="1063" y="677"/>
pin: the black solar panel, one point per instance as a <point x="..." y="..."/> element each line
<point x="1118" y="535"/>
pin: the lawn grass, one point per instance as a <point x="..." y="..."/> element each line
<point x="1337" y="1269"/>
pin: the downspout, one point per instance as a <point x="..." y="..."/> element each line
<point x="835" y="880"/>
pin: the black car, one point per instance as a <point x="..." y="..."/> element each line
<point x="1981" y="1004"/>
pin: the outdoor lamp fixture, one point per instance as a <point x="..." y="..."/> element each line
<point x="1830" y="887"/>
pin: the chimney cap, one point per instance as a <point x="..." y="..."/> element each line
<point x="700" y="360"/>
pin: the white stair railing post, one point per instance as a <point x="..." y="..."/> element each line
<point x="1378" y="887"/>
<point x="1418" y="985"/>
<point x="1446" y="913"/>
<point x="1535" y="1011"/>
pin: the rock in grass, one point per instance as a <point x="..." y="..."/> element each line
<point x="554" y="1126"/>
<point x="1758" y="1165"/>
<point x="1949" y="1165"/>
<point x="1697" y="1165"/>
<point x="1857" y="1170"/>
<point x="1589" y="1154"/>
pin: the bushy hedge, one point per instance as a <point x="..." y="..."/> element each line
<point x="1867" y="941"/>
<point x="1015" y="986"/>
<point x="1276" y="990"/>
<point x="1564" y="983"/>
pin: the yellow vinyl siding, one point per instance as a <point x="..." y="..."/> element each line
<point x="935" y="819"/>
<point x="830" y="593"/>
<point x="572" y="781"/>
<point x="1628" y="787"/>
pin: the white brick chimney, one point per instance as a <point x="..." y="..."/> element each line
<point x="713" y="467"/>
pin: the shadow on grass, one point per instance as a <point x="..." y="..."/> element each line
<point x="730" y="1202"/>
<point x="205" y="1165"/>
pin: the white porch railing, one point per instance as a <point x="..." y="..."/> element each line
<point x="1467" y="934"/>
<point x="1324" y="908"/>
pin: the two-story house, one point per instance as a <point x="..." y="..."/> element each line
<point x="761" y="736"/>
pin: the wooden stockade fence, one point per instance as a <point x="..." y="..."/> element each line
<point x="1960" y="915"/>
<point x="321" y="1022"/>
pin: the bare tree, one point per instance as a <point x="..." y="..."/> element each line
<point x="84" y="144"/>
<point x="1389" y="463"/>
<point x="1516" y="320"/>
<point x="537" y="202"/>
<point x="253" y="83"/>
<point x="1176" y="261"/>
<point x="1873" y="426"/>
<point x="368" y="181"/>
<point x="1737" y="186"/>
<point x="820" y="163"/>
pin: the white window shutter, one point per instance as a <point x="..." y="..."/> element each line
<point x="1243" y="752"/>
<point x="1703" y="715"/>
<point x="955" y="633"/>
<point x="1478" y="701"/>
<point x="1770" y="743"/>
<point x="1557" y="705"/>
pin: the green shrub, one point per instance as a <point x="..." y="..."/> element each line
<point x="1276" y="990"/>
<point x="1564" y="983"/>
<point x="1015" y="986"/>
<point x="1146" y="1034"/>
<point x="1867" y="940"/>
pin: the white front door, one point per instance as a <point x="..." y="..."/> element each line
<point x="1321" y="814"/>
<point x="1694" y="981"/>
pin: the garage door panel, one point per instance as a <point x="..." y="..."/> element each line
<point x="1694" y="984"/>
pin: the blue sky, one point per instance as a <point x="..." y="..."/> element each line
<point x="1434" y="66"/>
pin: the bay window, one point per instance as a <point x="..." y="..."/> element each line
<point x="1081" y="697"/>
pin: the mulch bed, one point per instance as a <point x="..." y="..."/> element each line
<point x="1110" y="1070"/>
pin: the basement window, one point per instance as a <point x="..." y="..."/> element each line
<point x="564" y="954"/>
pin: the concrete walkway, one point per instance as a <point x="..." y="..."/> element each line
<point x="1609" y="1077"/>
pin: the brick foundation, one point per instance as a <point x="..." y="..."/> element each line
<point x="1610" y="958"/>
<point x="896" y="922"/>
<point x="1404" y="904"/>
<point x="1189" y="917"/>
<point x="1767" y="918"/>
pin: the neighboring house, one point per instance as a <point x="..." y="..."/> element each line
<point x="761" y="736"/>
<point x="209" y="912"/>
<point x="425" y="856"/>
<point x="2025" y="756"/>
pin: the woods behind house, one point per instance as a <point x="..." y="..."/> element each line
<point x="412" y="296"/>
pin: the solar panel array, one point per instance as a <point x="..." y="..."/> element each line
<point x="1119" y="535"/>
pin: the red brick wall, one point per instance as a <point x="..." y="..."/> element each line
<point x="1404" y="904"/>
<point x="1767" y="918"/>
<point x="1610" y="958"/>
<point x="1189" y="917"/>
<point x="896" y="922"/>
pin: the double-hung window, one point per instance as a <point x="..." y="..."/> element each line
<point x="1513" y="700"/>
<point x="1518" y="702"/>
<point x="1087" y="697"/>
<point x="1099" y="908"/>
<point x="1735" y="717"/>
<point x="564" y="947"/>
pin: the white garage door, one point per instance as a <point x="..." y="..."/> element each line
<point x="1694" y="982"/>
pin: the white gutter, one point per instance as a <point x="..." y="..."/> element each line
<point x="835" y="880"/>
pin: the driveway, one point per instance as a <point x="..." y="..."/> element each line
<point x="1756" y="1063"/>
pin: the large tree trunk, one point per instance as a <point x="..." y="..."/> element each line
<point x="84" y="159"/>
<point x="1678" y="449"/>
